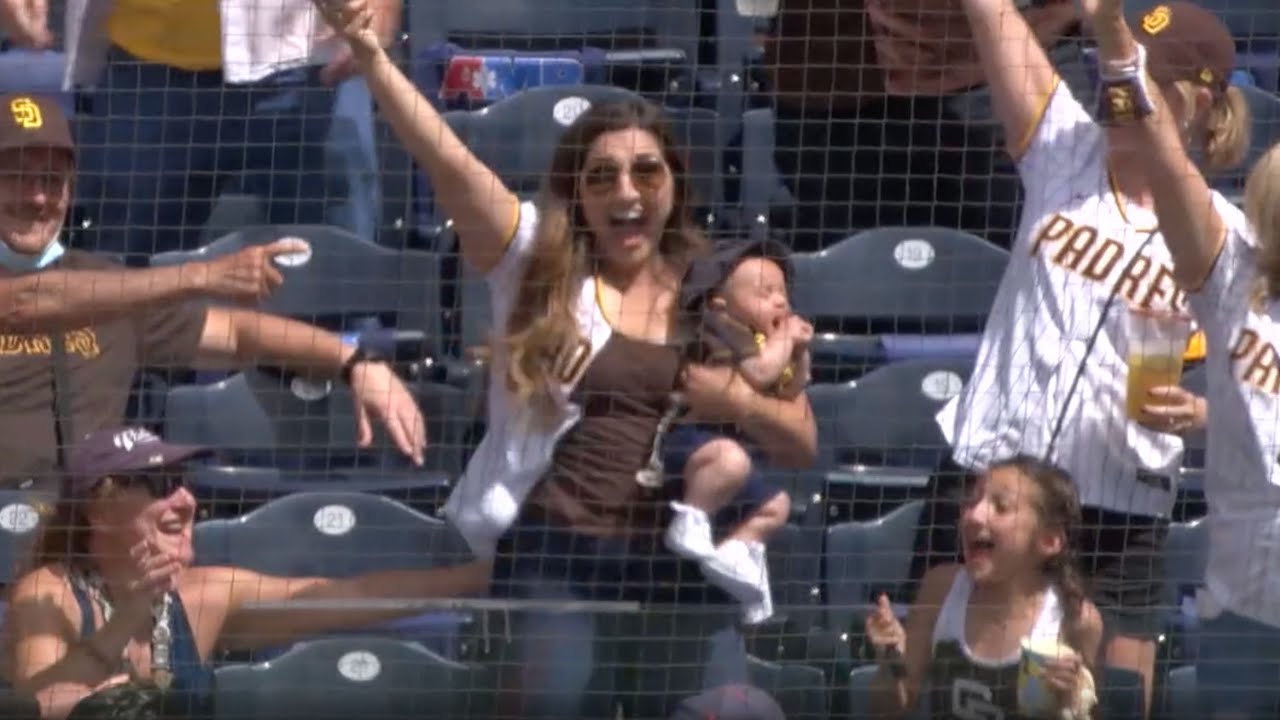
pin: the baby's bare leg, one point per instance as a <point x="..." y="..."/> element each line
<point x="715" y="474"/>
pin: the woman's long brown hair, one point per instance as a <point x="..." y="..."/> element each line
<point x="542" y="322"/>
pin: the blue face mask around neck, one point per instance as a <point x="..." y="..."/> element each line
<point x="20" y="263"/>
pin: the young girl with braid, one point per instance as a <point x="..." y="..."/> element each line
<point x="965" y="631"/>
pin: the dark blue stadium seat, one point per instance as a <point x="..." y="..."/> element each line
<point x="1181" y="701"/>
<point x="359" y="677"/>
<point x="914" y="288"/>
<point x="232" y="490"/>
<point x="880" y="430"/>
<point x="1119" y="694"/>
<point x="20" y="512"/>
<point x="1186" y="551"/>
<point x="343" y="277"/>
<point x="801" y="691"/>
<point x="860" y="696"/>
<point x="518" y="136"/>
<point x="624" y="24"/>
<point x="340" y="534"/>
<point x="795" y="572"/>
<point x="757" y="184"/>
<point x="864" y="559"/>
<point x="261" y="418"/>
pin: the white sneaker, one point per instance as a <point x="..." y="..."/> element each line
<point x="689" y="534"/>
<point x="739" y="570"/>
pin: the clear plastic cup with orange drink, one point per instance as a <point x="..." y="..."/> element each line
<point x="1157" y="342"/>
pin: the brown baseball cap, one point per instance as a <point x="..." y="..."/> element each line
<point x="29" y="120"/>
<point x="1187" y="42"/>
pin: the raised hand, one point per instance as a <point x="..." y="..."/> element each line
<point x="249" y="275"/>
<point x="354" y="21"/>
<point x="885" y="633"/>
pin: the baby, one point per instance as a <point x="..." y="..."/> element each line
<point x="740" y="297"/>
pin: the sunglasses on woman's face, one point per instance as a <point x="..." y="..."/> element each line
<point x="648" y="173"/>
<point x="158" y="485"/>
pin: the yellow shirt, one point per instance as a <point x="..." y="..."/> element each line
<point x="185" y="34"/>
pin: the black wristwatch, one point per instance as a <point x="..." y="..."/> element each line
<point x="361" y="355"/>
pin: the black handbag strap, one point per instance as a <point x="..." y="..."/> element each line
<point x="63" y="422"/>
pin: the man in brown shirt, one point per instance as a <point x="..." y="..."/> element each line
<point x="883" y="118"/>
<point x="110" y="321"/>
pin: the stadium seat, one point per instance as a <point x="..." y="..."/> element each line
<point x="757" y="185"/>
<point x="864" y="559"/>
<point x="905" y="285"/>
<point x="432" y="222"/>
<point x="262" y="418"/>
<point x="1119" y="694"/>
<point x="795" y="577"/>
<point x="359" y="677"/>
<point x="340" y="534"/>
<point x="20" y="512"/>
<point x="609" y="24"/>
<point x="231" y="490"/>
<point x="860" y="696"/>
<point x="326" y="534"/>
<point x="1180" y="698"/>
<point x="881" y="429"/>
<point x="343" y="276"/>
<point x="517" y="137"/>
<point x="800" y="690"/>
<point x="1185" y="556"/>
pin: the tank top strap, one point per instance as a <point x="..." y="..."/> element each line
<point x="190" y="671"/>
<point x="1049" y="621"/>
<point x="85" y="603"/>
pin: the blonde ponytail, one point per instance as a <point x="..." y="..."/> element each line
<point x="1226" y="131"/>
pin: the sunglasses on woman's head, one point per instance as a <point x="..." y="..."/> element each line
<point x="648" y="173"/>
<point x="159" y="485"/>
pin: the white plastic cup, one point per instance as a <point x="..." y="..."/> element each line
<point x="1035" y="698"/>
<point x="1157" y="343"/>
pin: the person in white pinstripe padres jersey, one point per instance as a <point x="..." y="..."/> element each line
<point x="1051" y="373"/>
<point x="1227" y="259"/>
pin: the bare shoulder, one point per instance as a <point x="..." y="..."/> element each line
<point x="41" y="598"/>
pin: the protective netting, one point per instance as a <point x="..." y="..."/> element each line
<point x="228" y="153"/>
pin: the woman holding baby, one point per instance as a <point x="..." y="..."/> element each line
<point x="585" y="286"/>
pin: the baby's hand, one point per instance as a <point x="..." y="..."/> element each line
<point x="799" y="329"/>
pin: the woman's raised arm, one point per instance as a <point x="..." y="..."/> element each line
<point x="483" y="210"/>
<point x="1018" y="71"/>
<point x="1192" y="228"/>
